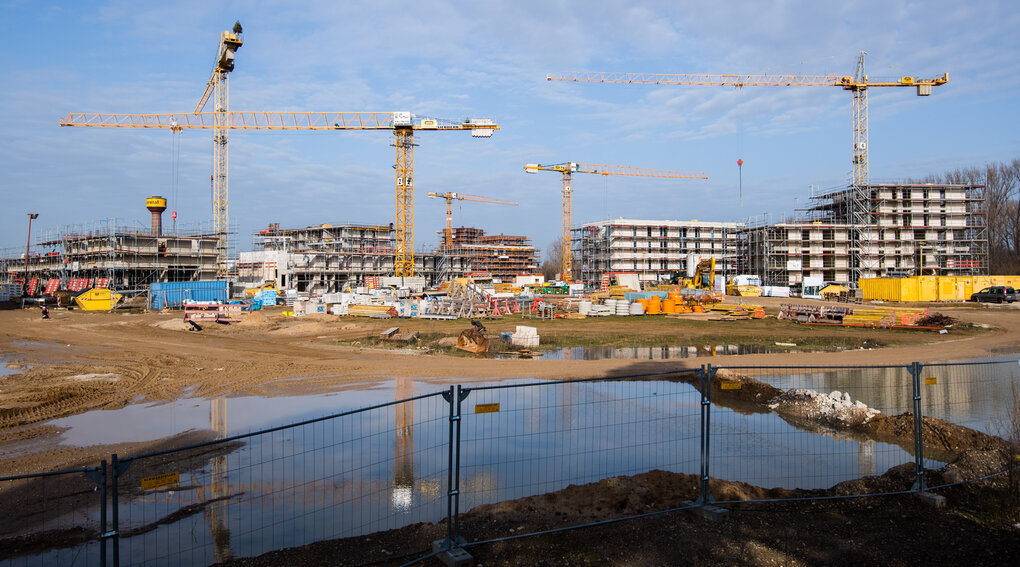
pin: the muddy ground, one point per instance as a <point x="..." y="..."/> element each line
<point x="76" y="362"/>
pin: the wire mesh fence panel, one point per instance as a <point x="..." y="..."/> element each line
<point x="968" y="406"/>
<point x="807" y="427"/>
<point x="51" y="519"/>
<point x="363" y="471"/>
<point x="534" y="438"/>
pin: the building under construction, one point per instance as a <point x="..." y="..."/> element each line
<point x="883" y="230"/>
<point x="118" y="255"/>
<point x="326" y="258"/>
<point x="654" y="249"/>
<point x="503" y="256"/>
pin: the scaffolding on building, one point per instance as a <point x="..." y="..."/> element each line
<point x="895" y="230"/>
<point x="125" y="256"/>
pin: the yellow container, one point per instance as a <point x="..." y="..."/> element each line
<point x="654" y="306"/>
<point x="927" y="288"/>
<point x="97" y="299"/>
<point x="669" y="306"/>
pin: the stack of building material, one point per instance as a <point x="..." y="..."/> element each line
<point x="814" y="313"/>
<point x="525" y="337"/>
<point x="374" y="311"/>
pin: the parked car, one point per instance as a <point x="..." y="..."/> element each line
<point x="995" y="294"/>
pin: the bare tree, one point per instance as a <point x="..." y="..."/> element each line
<point x="998" y="184"/>
<point x="553" y="260"/>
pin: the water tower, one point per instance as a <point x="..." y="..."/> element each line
<point x="156" y="206"/>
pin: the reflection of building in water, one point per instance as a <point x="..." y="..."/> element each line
<point x="866" y="458"/>
<point x="403" y="477"/>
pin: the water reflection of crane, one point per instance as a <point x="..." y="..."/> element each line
<point x="215" y="513"/>
<point x="403" y="476"/>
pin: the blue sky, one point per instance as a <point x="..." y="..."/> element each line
<point x="490" y="59"/>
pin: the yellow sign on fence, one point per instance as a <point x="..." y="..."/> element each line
<point x="729" y="385"/>
<point x="487" y="408"/>
<point x="161" y="480"/>
<point x="931" y="381"/>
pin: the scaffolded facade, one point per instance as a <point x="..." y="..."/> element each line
<point x="504" y="256"/>
<point x="895" y="230"/>
<point x="654" y="249"/>
<point x="129" y="258"/>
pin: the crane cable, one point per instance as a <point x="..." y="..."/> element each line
<point x="175" y="170"/>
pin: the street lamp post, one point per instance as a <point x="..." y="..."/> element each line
<point x="28" y="246"/>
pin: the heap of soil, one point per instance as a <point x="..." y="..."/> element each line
<point x="975" y="528"/>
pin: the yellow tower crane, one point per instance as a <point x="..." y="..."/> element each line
<point x="230" y="42"/>
<point x="448" y="232"/>
<point x="403" y="125"/>
<point x="858" y="86"/>
<point x="569" y="168"/>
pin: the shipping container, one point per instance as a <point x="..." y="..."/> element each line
<point x="171" y="295"/>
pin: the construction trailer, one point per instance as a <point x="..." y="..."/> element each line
<point x="897" y="230"/>
<point x="654" y="249"/>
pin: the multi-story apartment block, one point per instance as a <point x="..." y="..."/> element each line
<point x="654" y="249"/>
<point x="885" y="230"/>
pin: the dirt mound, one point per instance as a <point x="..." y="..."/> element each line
<point x="257" y="320"/>
<point x="302" y="329"/>
<point x="175" y="324"/>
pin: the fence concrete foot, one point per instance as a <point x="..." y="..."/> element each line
<point x="453" y="557"/>
<point x="711" y="513"/>
<point x="934" y="500"/>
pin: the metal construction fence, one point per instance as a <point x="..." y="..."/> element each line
<point x="430" y="458"/>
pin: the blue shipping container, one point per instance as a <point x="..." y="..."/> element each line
<point x="170" y="295"/>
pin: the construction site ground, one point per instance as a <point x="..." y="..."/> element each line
<point x="76" y="362"/>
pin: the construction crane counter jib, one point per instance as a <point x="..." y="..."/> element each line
<point x="569" y="168"/>
<point x="858" y="85"/>
<point x="403" y="125"/>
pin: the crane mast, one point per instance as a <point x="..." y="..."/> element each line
<point x="569" y="168"/>
<point x="219" y="84"/>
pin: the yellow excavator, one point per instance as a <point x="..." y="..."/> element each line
<point x="266" y="285"/>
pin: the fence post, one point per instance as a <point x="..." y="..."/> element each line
<point x="462" y="393"/>
<point x="919" y="483"/>
<point x="98" y="476"/>
<point x="448" y="542"/>
<point x="117" y="468"/>
<point x="706" y="373"/>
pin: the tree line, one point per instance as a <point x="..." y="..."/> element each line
<point x="999" y="186"/>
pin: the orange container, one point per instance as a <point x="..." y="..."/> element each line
<point x="669" y="306"/>
<point x="654" y="306"/>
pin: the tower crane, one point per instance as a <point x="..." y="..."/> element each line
<point x="402" y="124"/>
<point x="858" y="86"/>
<point x="569" y="168"/>
<point x="230" y="42"/>
<point x="448" y="232"/>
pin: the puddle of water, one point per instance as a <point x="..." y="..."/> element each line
<point x="387" y="468"/>
<point x="655" y="352"/>
<point x="149" y="422"/>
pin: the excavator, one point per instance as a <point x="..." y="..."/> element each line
<point x="704" y="276"/>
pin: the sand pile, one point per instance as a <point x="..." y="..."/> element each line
<point x="301" y="329"/>
<point x="175" y="324"/>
